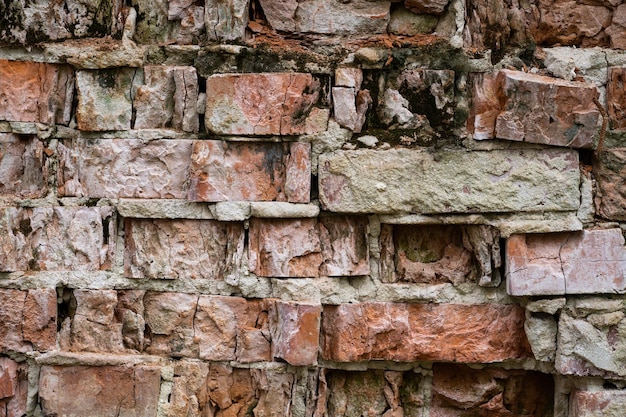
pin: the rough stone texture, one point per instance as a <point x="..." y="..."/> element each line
<point x="592" y="261"/>
<point x="334" y="246"/>
<point x="616" y="98"/>
<point x="168" y="99"/>
<point x="542" y="331"/>
<point x="56" y="239"/>
<point x="105" y="99"/>
<point x="124" y="168"/>
<point x="404" y="22"/>
<point x="35" y="92"/>
<point x="13" y="387"/>
<point x="609" y="170"/>
<point x="375" y="392"/>
<point x="350" y="107"/>
<point x="23" y="167"/>
<point x="33" y="22"/>
<point x="295" y="332"/>
<point x="28" y="320"/>
<point x="591" y="348"/>
<point x="459" y="390"/>
<point x="405" y="180"/>
<point x="608" y="403"/>
<point x="359" y="17"/>
<point x="152" y="21"/>
<point x="263" y="104"/>
<point x="100" y="390"/>
<point x="524" y="107"/>
<point x="182" y="249"/>
<point x="226" y="20"/>
<point x="228" y="391"/>
<point x="617" y="27"/>
<point x="429" y="332"/>
<point x="226" y="171"/>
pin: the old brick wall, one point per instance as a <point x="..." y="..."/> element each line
<point x="229" y="208"/>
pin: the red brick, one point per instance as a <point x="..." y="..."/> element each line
<point x="181" y="249"/>
<point x="587" y="262"/>
<point x="23" y="167"/>
<point x="28" y="320"/>
<point x="263" y="104"/>
<point x="430" y="332"/>
<point x="525" y="107"/>
<point x="608" y="403"/>
<point x="56" y="239"/>
<point x="100" y="390"/>
<point x="330" y="246"/>
<point x="35" y="92"/>
<point x="124" y="168"/>
<point x="295" y="332"/>
<point x="13" y="388"/>
<point x="230" y="171"/>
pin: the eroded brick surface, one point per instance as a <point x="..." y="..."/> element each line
<point x="182" y="249"/>
<point x="332" y="246"/>
<point x="100" y="390"/>
<point x="436" y="332"/>
<point x="35" y="92"/>
<point x="524" y="107"/>
<point x="591" y="261"/>
<point x="28" y="320"/>
<point x="23" y="167"/>
<point x="56" y="238"/>
<point x="226" y="171"/>
<point x="124" y="168"/>
<point x="263" y="104"/>
<point x="295" y="332"/>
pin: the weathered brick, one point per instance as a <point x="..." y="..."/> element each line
<point x="35" y="92"/>
<point x="56" y="238"/>
<point x="295" y="332"/>
<point x="229" y="391"/>
<point x="23" y="167"/>
<point x="609" y="169"/>
<point x="181" y="249"/>
<point x="124" y="168"/>
<point x="264" y="104"/>
<point x="226" y="329"/>
<point x="226" y="171"/>
<point x="28" y="320"/>
<point x="105" y="99"/>
<point x="13" y="388"/>
<point x="168" y="99"/>
<point x="461" y="390"/>
<point x="607" y="403"/>
<point x="319" y="16"/>
<point x="591" y="261"/>
<point x="99" y="390"/>
<point x="525" y="107"/>
<point x="431" y="332"/>
<point x="415" y="181"/>
<point x="333" y="246"/>
<point x="169" y="319"/>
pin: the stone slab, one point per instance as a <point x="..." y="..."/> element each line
<point x="423" y="332"/>
<point x="609" y="170"/>
<point x="238" y="171"/>
<point x="607" y="403"/>
<point x="124" y="168"/>
<point x="13" y="387"/>
<point x="587" y="262"/>
<point x="295" y="332"/>
<point x="264" y="104"/>
<point x="23" y="167"/>
<point x="616" y="98"/>
<point x="416" y="181"/>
